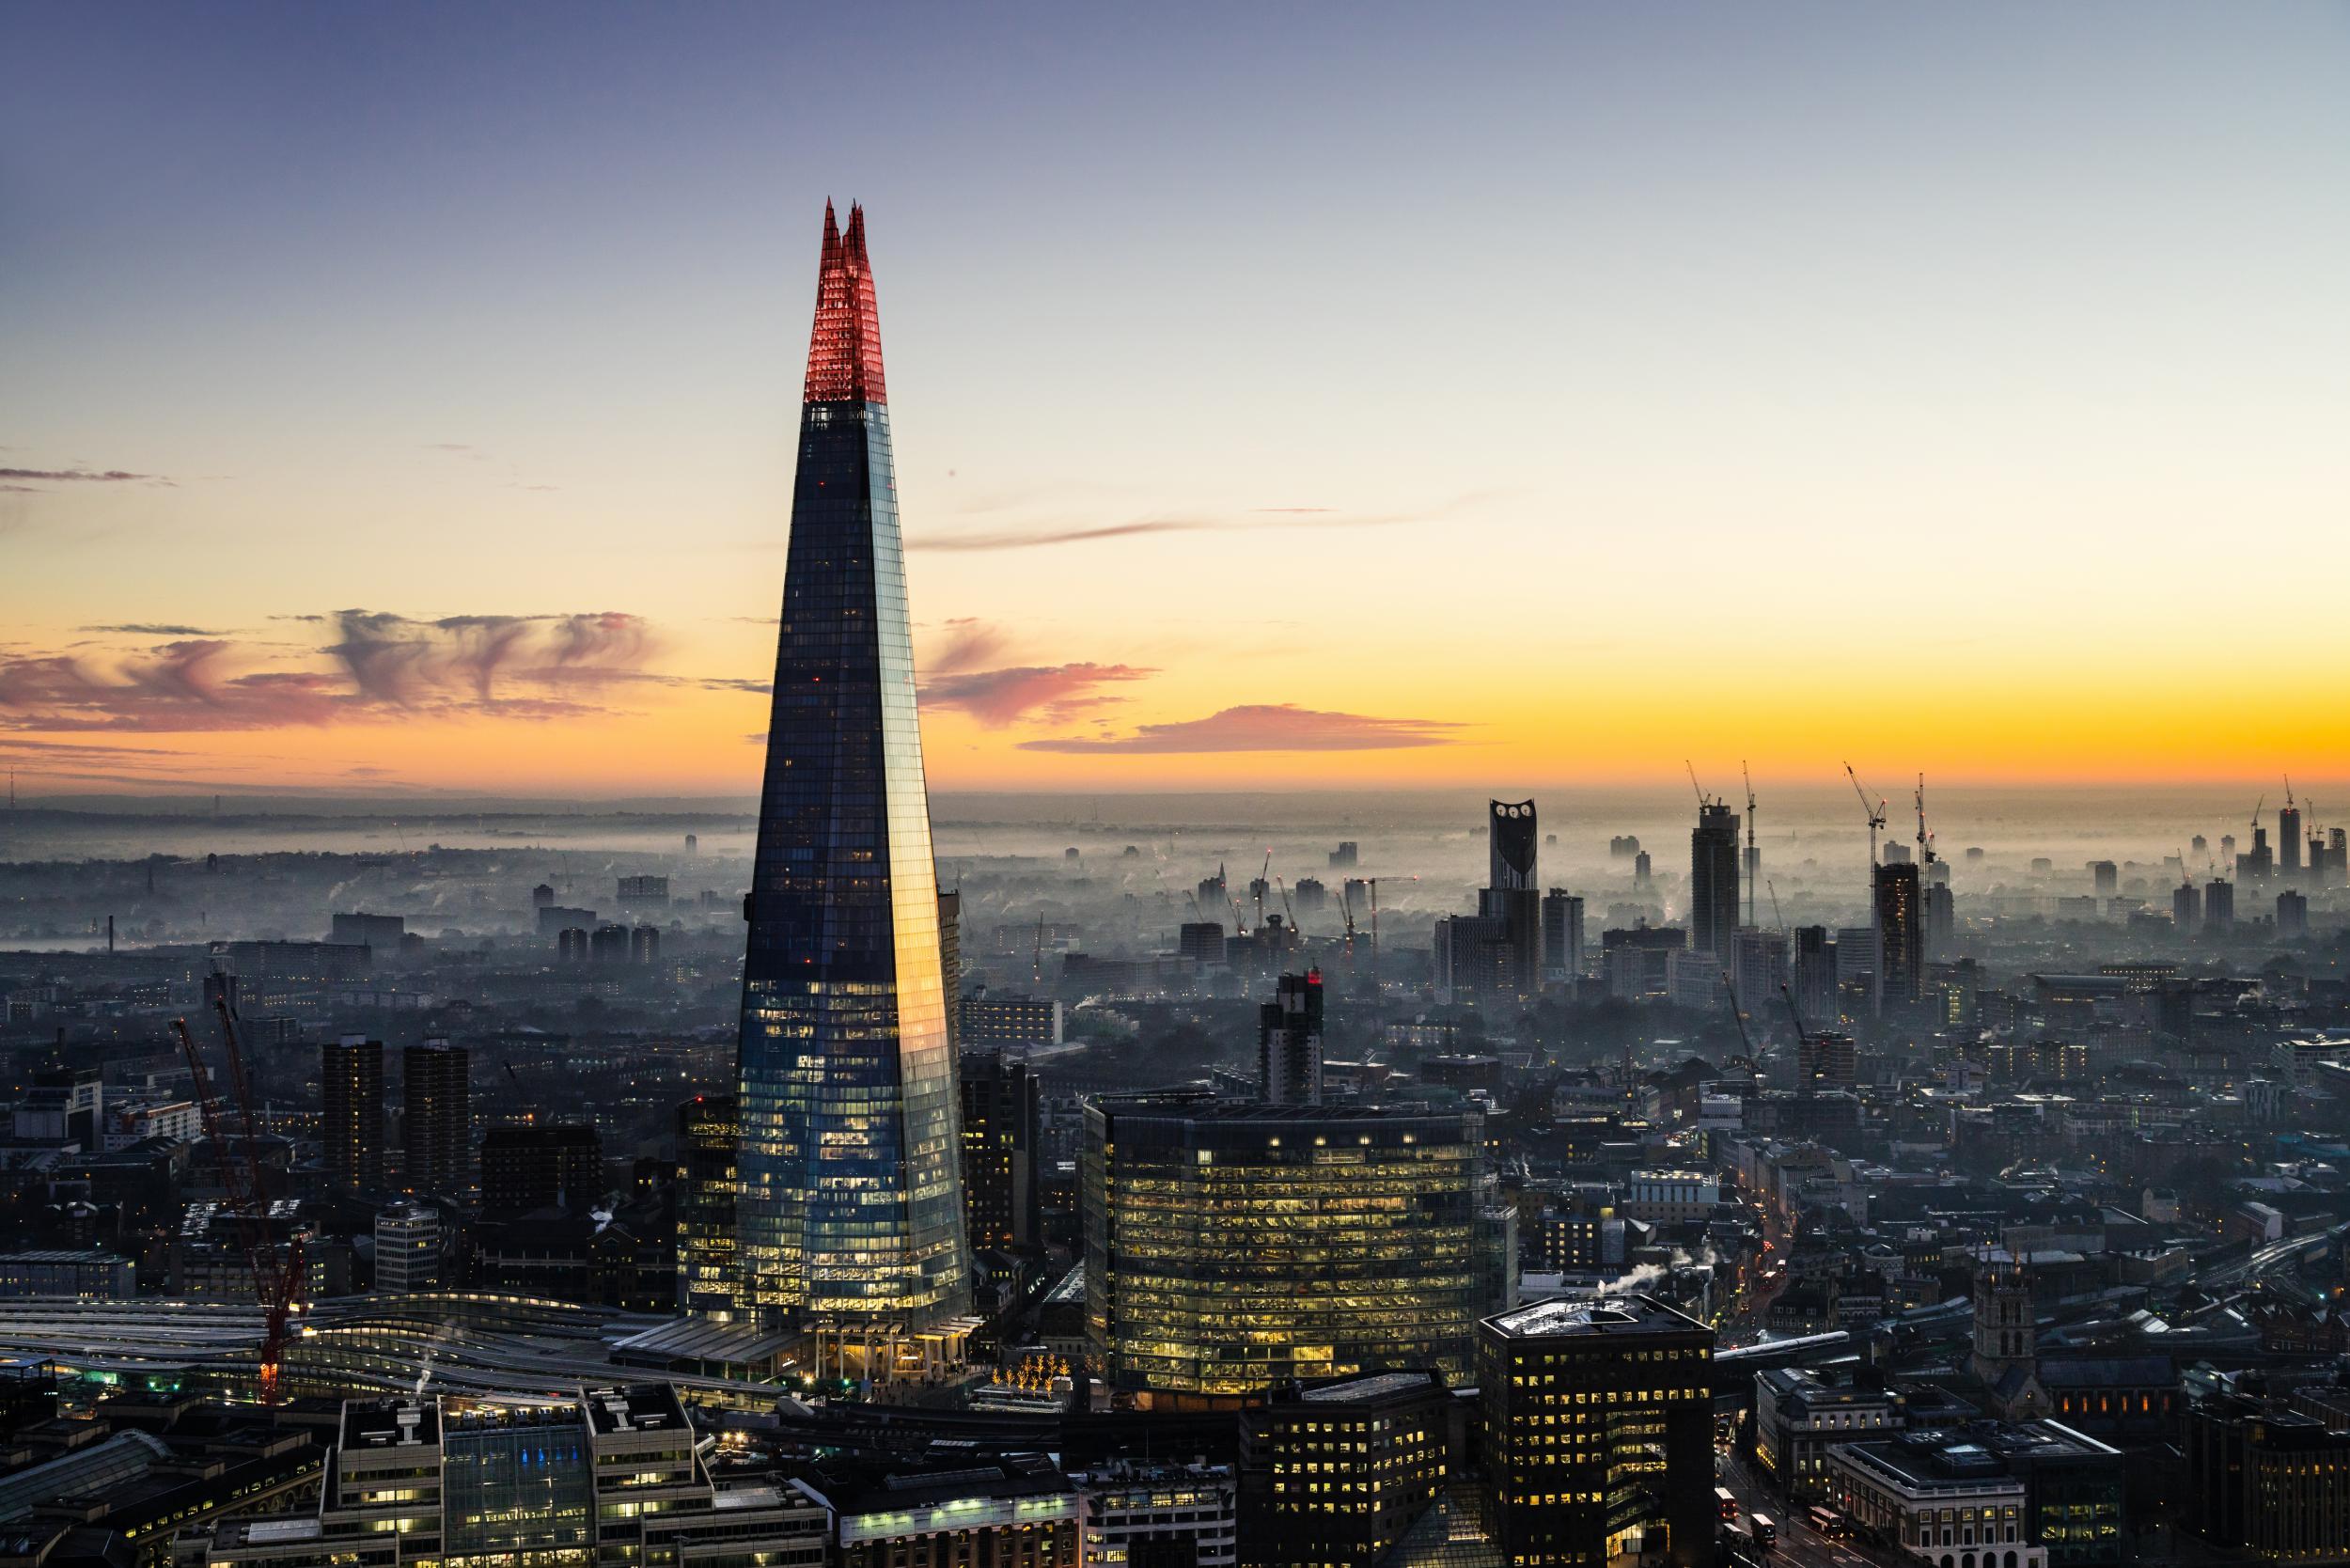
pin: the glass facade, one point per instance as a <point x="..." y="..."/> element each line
<point x="850" y="1201"/>
<point x="1231" y="1246"/>
<point x="520" y="1486"/>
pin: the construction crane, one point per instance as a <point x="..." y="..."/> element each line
<point x="278" y="1275"/>
<point x="1925" y="839"/>
<point x="1745" y="1043"/>
<point x="1876" y="813"/>
<point x="1259" y="889"/>
<point x="1704" y="800"/>
<point x="1803" y="1080"/>
<point x="1754" y="850"/>
<point x="1778" y="919"/>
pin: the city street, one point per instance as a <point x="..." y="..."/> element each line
<point x="1799" y="1546"/>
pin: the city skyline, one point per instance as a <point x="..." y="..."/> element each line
<point x="412" y="424"/>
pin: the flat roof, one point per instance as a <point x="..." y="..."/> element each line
<point x="1370" y="1387"/>
<point x="637" y="1407"/>
<point x="1574" y="1317"/>
<point x="382" y="1423"/>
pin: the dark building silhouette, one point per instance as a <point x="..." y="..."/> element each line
<point x="1901" y="936"/>
<point x="540" y="1167"/>
<point x="1288" y="1043"/>
<point x="1562" y="935"/>
<point x="2220" y="909"/>
<point x="436" y="1116"/>
<point x="1598" y="1419"/>
<point x="1003" y="1204"/>
<point x="608" y="945"/>
<point x="951" y="964"/>
<point x="851" y="1203"/>
<point x="707" y="1280"/>
<point x="351" y="1096"/>
<point x="571" y="945"/>
<point x="644" y="945"/>
<point x="1335" y="1473"/>
<point x="1714" y="880"/>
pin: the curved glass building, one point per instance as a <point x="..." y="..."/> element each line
<point x="850" y="1203"/>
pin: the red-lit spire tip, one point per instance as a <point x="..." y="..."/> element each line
<point x="844" y="357"/>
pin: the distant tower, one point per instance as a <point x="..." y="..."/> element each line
<point x="1512" y="895"/>
<point x="1288" y="1043"/>
<point x="2186" y="908"/>
<point x="1562" y="935"/>
<point x="436" y="1118"/>
<point x="2220" y="909"/>
<point x="2289" y="835"/>
<point x="1714" y="880"/>
<point x="1901" y="936"/>
<point x="2006" y="1358"/>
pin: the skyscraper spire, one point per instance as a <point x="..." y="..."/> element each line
<point x="844" y="353"/>
<point x="851" y="1205"/>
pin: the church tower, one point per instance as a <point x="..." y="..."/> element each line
<point x="2007" y="1335"/>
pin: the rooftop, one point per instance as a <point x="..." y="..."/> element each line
<point x="1579" y="1316"/>
<point x="1370" y="1387"/>
<point x="637" y="1408"/>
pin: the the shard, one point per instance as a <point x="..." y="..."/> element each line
<point x="850" y="1205"/>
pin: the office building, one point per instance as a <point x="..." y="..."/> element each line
<point x="1758" y="968"/>
<point x="1333" y="1473"/>
<point x="1511" y="899"/>
<point x="1007" y="1021"/>
<point x="1941" y="917"/>
<point x="407" y="1248"/>
<point x="1598" y="1432"/>
<point x="380" y="932"/>
<point x="1202" y="941"/>
<point x="2267" y="1482"/>
<point x="1288" y="1043"/>
<point x="1815" y="977"/>
<point x="1901" y="936"/>
<point x="707" y="1133"/>
<point x="1013" y="1513"/>
<point x="1938" y="1493"/>
<point x="639" y="891"/>
<point x="1562" y="938"/>
<point x="350" y="1102"/>
<point x="2220" y="909"/>
<point x="436" y="1117"/>
<point x="851" y="1205"/>
<point x="524" y="1168"/>
<point x="1231" y="1245"/>
<point x="1470" y="958"/>
<point x="1003" y="1203"/>
<point x="2292" y="915"/>
<point x="1714" y="880"/>
<point x="1672" y="1196"/>
<point x="1145" y="1514"/>
<point x="1800" y="1412"/>
<point x="1827" y="1059"/>
<point x="614" y="1476"/>
<point x="555" y="917"/>
<point x="89" y="1273"/>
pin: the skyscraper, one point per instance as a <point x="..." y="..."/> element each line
<point x="1714" y="880"/>
<point x="850" y="1204"/>
<point x="1513" y="897"/>
<point x="350" y="1094"/>
<point x="2289" y="837"/>
<point x="1901" y="936"/>
<point x="436" y="1116"/>
<point x="1288" y="1043"/>
<point x="1562" y="936"/>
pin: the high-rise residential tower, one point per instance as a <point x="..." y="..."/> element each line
<point x="1512" y="896"/>
<point x="350" y="1094"/>
<point x="1901" y="936"/>
<point x="850" y="1204"/>
<point x="1714" y="880"/>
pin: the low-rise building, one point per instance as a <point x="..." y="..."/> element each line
<point x="1800" y="1414"/>
<point x="1158" y="1515"/>
<point x="1333" y="1473"/>
<point x="1940" y="1497"/>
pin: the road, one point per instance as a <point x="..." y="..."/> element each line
<point x="1799" y="1544"/>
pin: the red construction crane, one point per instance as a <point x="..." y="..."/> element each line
<point x="278" y="1275"/>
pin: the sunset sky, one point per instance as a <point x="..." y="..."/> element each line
<point x="402" y="397"/>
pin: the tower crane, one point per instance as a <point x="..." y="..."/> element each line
<point x="1754" y="850"/>
<point x="279" y="1274"/>
<point x="1737" y="1017"/>
<point x="1925" y="839"/>
<point x="1778" y="919"/>
<point x="1259" y="887"/>
<point x="1704" y="800"/>
<point x="1876" y="813"/>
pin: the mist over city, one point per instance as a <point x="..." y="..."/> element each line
<point x="1533" y="787"/>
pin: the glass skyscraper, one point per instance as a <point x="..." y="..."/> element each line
<point x="850" y="1201"/>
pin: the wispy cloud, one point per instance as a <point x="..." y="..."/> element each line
<point x="380" y="665"/>
<point x="1277" y="727"/>
<point x="998" y="697"/>
<point x="108" y="475"/>
<point x="1037" y="535"/>
<point x="150" y="629"/>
